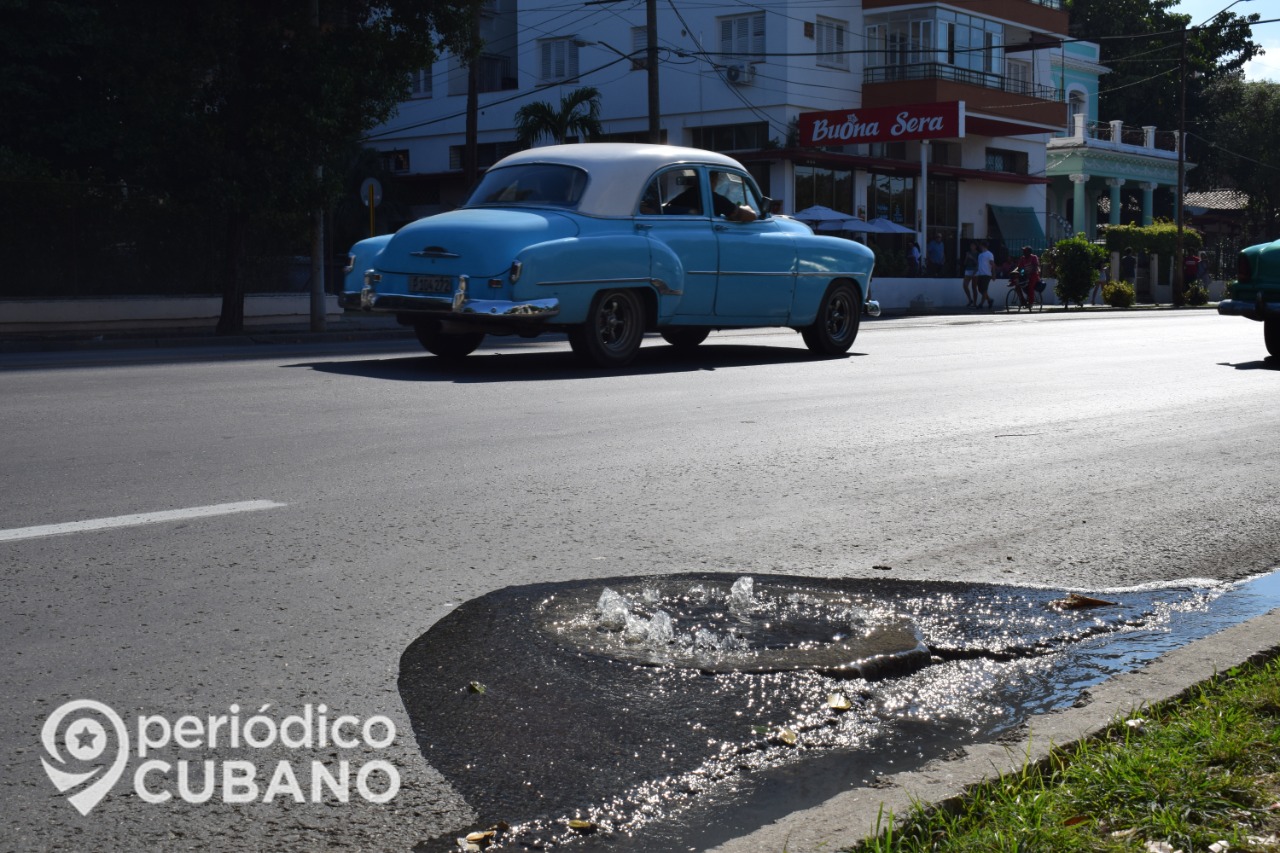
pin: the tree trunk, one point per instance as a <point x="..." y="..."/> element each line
<point x="231" y="319"/>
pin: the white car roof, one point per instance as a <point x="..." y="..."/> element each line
<point x="618" y="171"/>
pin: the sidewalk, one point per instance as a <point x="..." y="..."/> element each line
<point x="360" y="326"/>
<point x="350" y="326"/>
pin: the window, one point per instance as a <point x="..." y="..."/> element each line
<point x="559" y="59"/>
<point x="532" y="183"/>
<point x="742" y="37"/>
<point x="420" y="83"/>
<point x="731" y="137"/>
<point x="394" y="161"/>
<point x="1002" y="160"/>
<point x="487" y="153"/>
<point x="831" y="44"/>
<point x="676" y="192"/>
<point x="831" y="188"/>
<point x="1019" y="73"/>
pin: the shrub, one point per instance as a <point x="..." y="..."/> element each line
<point x="1119" y="294"/>
<point x="1197" y="294"/>
<point x="1076" y="262"/>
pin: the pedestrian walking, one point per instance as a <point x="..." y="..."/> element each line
<point x="982" y="276"/>
<point x="1129" y="266"/>
<point x="970" y="270"/>
<point x="936" y="253"/>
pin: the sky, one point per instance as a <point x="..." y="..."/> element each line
<point x="1266" y="67"/>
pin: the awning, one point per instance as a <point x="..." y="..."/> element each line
<point x="1019" y="226"/>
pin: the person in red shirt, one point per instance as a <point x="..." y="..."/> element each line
<point x="1030" y="266"/>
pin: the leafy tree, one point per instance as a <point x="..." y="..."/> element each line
<point x="237" y="113"/>
<point x="1245" y="154"/>
<point x="578" y="114"/>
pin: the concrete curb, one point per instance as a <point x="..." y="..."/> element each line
<point x="854" y="815"/>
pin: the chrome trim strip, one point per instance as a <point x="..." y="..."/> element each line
<point x="453" y="306"/>
<point x="594" y="281"/>
<point x="1248" y="308"/>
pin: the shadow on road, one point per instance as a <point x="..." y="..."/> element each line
<point x="1268" y="363"/>
<point x="520" y="365"/>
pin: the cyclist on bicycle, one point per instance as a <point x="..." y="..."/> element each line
<point x="1029" y="269"/>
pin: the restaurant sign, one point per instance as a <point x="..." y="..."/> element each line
<point x="883" y="124"/>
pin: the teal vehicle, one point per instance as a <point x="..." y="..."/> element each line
<point x="1256" y="291"/>
<point x="606" y="242"/>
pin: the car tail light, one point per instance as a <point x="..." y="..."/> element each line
<point x="1244" y="272"/>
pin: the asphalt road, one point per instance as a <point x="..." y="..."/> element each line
<point x="1077" y="451"/>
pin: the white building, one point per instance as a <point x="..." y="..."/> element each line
<point x="736" y="79"/>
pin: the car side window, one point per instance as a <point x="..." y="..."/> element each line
<point x="675" y="192"/>
<point x="730" y="191"/>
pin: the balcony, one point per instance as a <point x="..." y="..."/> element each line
<point x="1013" y="102"/>
<point x="1049" y="16"/>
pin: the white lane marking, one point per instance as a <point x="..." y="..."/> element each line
<point x="134" y="520"/>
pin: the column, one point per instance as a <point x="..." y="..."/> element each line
<point x="1079" y="219"/>
<point x="1115" y="184"/>
<point x="1147" y="188"/>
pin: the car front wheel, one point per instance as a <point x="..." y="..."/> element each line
<point x="1271" y="335"/>
<point x="613" y="331"/>
<point x="450" y="347"/>
<point x="836" y="326"/>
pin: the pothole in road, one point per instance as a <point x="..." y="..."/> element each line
<point x="677" y="711"/>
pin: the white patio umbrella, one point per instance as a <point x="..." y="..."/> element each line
<point x="819" y="214"/>
<point x="888" y="226"/>
<point x="851" y="224"/>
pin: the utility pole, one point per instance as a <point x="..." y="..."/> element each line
<point x="651" y="65"/>
<point x="317" y="234"/>
<point x="1179" y="254"/>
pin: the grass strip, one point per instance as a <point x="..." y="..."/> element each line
<point x="1197" y="773"/>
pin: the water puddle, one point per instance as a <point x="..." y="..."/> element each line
<point x="674" y="712"/>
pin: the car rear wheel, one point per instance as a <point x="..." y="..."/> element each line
<point x="613" y="331"/>
<point x="685" y="337"/>
<point x="447" y="346"/>
<point x="836" y="326"/>
<point x="1271" y="335"/>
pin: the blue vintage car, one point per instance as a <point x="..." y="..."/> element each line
<point x="608" y="241"/>
<point x="1256" y="291"/>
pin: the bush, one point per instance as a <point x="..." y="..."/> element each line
<point x="1119" y="294"/>
<point x="1197" y="294"/>
<point x="1076" y="261"/>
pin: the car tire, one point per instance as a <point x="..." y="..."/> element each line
<point x="836" y="326"/>
<point x="451" y="347"/>
<point x="613" y="331"/>
<point x="1271" y="335"/>
<point x="685" y="337"/>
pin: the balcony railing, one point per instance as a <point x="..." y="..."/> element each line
<point x="943" y="71"/>
<point x="1117" y="135"/>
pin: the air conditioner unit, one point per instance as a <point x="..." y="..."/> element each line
<point x="741" y="74"/>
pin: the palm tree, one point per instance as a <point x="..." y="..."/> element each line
<point x="579" y="114"/>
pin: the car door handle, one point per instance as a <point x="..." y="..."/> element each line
<point x="720" y="227"/>
<point x="644" y="226"/>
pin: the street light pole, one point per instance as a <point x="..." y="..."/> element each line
<point x="1179" y="255"/>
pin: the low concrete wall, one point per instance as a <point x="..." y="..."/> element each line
<point x="921" y="295"/>
<point x="154" y="312"/>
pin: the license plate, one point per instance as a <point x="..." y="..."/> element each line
<point x="431" y="284"/>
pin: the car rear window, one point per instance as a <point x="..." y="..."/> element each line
<point x="532" y="183"/>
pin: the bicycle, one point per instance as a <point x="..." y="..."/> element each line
<point x="1016" y="298"/>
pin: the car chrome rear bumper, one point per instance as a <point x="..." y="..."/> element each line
<point x="1258" y="309"/>
<point x="456" y="307"/>
<point x="871" y="308"/>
